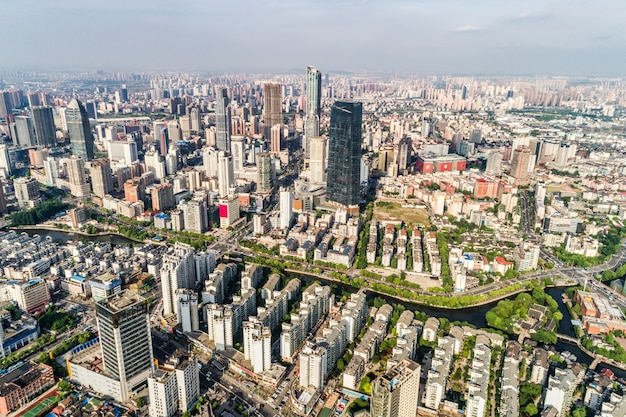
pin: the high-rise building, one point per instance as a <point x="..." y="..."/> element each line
<point x="286" y="209"/>
<point x="187" y="310"/>
<point x="5" y="162"/>
<point x="79" y="130"/>
<point x="125" y="340"/>
<point x="494" y="163"/>
<point x="237" y="150"/>
<point x="24" y="131"/>
<point x="3" y="209"/>
<point x="163" y="393"/>
<point x="76" y="176"/>
<point x="43" y="121"/>
<point x="276" y="138"/>
<point x="209" y="161"/>
<point x="396" y="392"/>
<point x="5" y="104"/>
<point x="405" y="148"/>
<point x="32" y="296"/>
<point x="196" y="216"/>
<point x="313" y="364"/>
<point x="344" y="156"/>
<point x="222" y="120"/>
<point x="264" y="172"/>
<point x="27" y="192"/>
<point x="101" y="177"/>
<point x="520" y="165"/>
<point x="177" y="271"/>
<point x="156" y="164"/>
<point x="195" y="119"/>
<point x="124" y="93"/>
<point x="228" y="211"/>
<point x="313" y="106"/>
<point x="476" y="136"/>
<point x="225" y="173"/>
<point x="272" y="106"/>
<point x="162" y="197"/>
<point x="257" y="345"/>
<point x="220" y="325"/>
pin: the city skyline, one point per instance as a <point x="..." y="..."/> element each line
<point x="399" y="36"/>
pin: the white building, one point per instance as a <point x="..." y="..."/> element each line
<point x="286" y="209"/>
<point x="187" y="310"/>
<point x="257" y="345"/>
<point x="177" y="271"/>
<point x="313" y="364"/>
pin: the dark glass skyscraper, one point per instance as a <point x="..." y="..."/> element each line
<point x="78" y="127"/>
<point x="43" y="122"/>
<point x="344" y="157"/>
<point x="222" y="121"/>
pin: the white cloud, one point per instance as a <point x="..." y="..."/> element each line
<point x="467" y="28"/>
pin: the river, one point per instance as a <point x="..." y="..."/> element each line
<point x="472" y="315"/>
<point x="61" y="236"/>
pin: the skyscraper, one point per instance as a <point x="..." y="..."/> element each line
<point x="222" y="120"/>
<point x="177" y="271"/>
<point x="43" y="121"/>
<point x="101" y="177"/>
<point x="396" y="392"/>
<point x="264" y="171"/>
<point x="77" y="177"/>
<point x="405" y="147"/>
<point x="317" y="164"/>
<point x="344" y="157"/>
<point x="79" y="130"/>
<point x="237" y="149"/>
<point x="272" y="106"/>
<point x="24" y="131"/>
<point x="313" y="106"/>
<point x="520" y="165"/>
<point x="225" y="173"/>
<point x="286" y="209"/>
<point x="125" y="340"/>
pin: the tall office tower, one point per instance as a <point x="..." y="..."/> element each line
<point x="196" y="216"/>
<point x="34" y="99"/>
<point x="76" y="176"/>
<point x="171" y="160"/>
<point x="163" y="141"/>
<point x="264" y="172"/>
<point x="317" y="164"/>
<point x="209" y="161"/>
<point x="124" y="93"/>
<point x="313" y="365"/>
<point x="24" y="130"/>
<point x="344" y="156"/>
<point x="3" y="209"/>
<point x="92" y="109"/>
<point x="519" y="165"/>
<point x="156" y="164"/>
<point x="5" y="162"/>
<point x="276" y="138"/>
<point x="174" y="132"/>
<point x="101" y="177"/>
<point x="81" y="138"/>
<point x="385" y="157"/>
<point x="222" y="120"/>
<point x="396" y="392"/>
<point x="464" y="92"/>
<point x="196" y="120"/>
<point x="225" y="173"/>
<point x="187" y="310"/>
<point x="405" y="147"/>
<point x="5" y="104"/>
<point x="313" y="106"/>
<point x="286" y="209"/>
<point x="476" y="136"/>
<point x="257" y="345"/>
<point x="272" y="106"/>
<point x="494" y="163"/>
<point x="177" y="271"/>
<point x="43" y="121"/>
<point x="162" y="197"/>
<point x="237" y="146"/>
<point x="124" y="331"/>
<point x="27" y="192"/>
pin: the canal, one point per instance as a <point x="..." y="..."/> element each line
<point x="60" y="236"/>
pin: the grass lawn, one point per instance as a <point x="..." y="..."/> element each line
<point x="395" y="211"/>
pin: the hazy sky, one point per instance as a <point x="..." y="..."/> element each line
<point x="418" y="36"/>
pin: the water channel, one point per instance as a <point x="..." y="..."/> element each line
<point x="472" y="315"/>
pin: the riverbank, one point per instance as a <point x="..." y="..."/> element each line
<point x="64" y="235"/>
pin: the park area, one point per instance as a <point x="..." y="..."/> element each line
<point x="410" y="215"/>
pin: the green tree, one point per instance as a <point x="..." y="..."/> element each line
<point x="531" y="409"/>
<point x="140" y="402"/>
<point x="64" y="386"/>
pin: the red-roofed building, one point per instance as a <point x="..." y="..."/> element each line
<point x="501" y="265"/>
